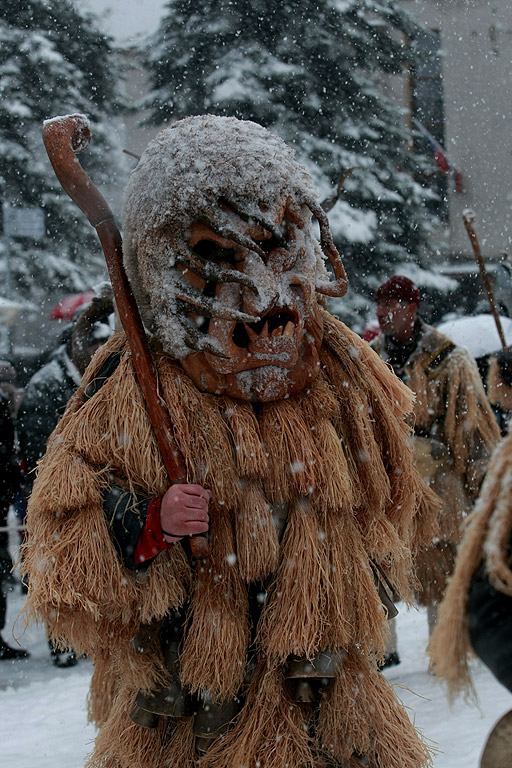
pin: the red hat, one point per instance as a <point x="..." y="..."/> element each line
<point x="399" y="287"/>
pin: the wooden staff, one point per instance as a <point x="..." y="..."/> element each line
<point x="469" y="217"/>
<point x="64" y="137"/>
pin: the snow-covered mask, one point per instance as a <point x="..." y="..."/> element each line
<point x="221" y="254"/>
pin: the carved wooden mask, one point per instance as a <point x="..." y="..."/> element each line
<point x="229" y="281"/>
<point x="264" y="328"/>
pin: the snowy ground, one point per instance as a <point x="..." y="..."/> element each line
<point x="43" y="713"/>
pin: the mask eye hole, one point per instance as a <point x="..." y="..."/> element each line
<point x="210" y="251"/>
<point x="269" y="245"/>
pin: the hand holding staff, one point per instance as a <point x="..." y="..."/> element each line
<point x="63" y="138"/>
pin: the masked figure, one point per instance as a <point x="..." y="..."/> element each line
<point x="293" y="435"/>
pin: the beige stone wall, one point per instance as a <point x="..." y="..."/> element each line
<point x="477" y="71"/>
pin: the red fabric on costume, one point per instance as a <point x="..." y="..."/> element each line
<point x="151" y="540"/>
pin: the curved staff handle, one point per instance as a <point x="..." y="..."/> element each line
<point x="63" y="138"/>
<point x="469" y="217"/>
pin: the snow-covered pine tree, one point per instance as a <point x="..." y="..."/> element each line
<point x="53" y="61"/>
<point x="314" y="72"/>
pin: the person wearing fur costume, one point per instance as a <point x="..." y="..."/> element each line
<point x="475" y="616"/>
<point x="294" y="437"/>
<point x="499" y="388"/>
<point x="454" y="427"/>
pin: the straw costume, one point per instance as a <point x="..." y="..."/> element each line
<point x="315" y="503"/>
<point x="454" y="434"/>
<point x="485" y="553"/>
<point x="499" y="388"/>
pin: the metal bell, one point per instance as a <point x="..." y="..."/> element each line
<point x="168" y="700"/>
<point x="303" y="691"/>
<point x="212" y="719"/>
<point x="144" y="718"/>
<point x="325" y="665"/>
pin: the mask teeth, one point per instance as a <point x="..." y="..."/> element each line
<point x="253" y="336"/>
<point x="289" y="330"/>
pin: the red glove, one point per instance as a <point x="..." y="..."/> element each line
<point x="151" y="540"/>
<point x="181" y="511"/>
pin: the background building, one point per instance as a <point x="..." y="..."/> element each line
<point x="462" y="94"/>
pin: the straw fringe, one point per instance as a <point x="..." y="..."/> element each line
<point x="354" y="611"/>
<point x="469" y="423"/>
<point x="180" y="750"/>
<point x="295" y="469"/>
<point x="270" y="731"/>
<point x="380" y="456"/>
<point x="215" y="647"/>
<point x="449" y="646"/>
<point x="496" y="545"/>
<point x="391" y="740"/>
<point x="294" y="619"/>
<point x="66" y="482"/>
<point x="338" y="482"/>
<point x="201" y="433"/>
<point x="102" y="691"/>
<point x="70" y="585"/>
<point x="251" y="454"/>
<point x="166" y="584"/>
<point x="383" y="544"/>
<point x="123" y="744"/>
<point x="433" y="566"/>
<point x="257" y="545"/>
<point x="357" y="434"/>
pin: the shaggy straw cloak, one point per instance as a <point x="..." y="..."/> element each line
<point x="337" y="457"/>
<point x="486" y="539"/>
<point x="455" y="434"/>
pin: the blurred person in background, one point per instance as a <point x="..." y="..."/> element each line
<point x="10" y="478"/>
<point x="13" y="395"/>
<point x="49" y="390"/>
<point x="499" y="388"/>
<point x="8" y="386"/>
<point x="455" y="430"/>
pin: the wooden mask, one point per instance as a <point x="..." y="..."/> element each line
<point x="265" y="335"/>
<point x="229" y="282"/>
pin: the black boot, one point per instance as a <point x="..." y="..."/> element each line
<point x="6" y="652"/>
<point x="390" y="660"/>
<point x="66" y="659"/>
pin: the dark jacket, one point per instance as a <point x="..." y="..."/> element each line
<point x="9" y="468"/>
<point x="490" y="627"/>
<point x="43" y="404"/>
